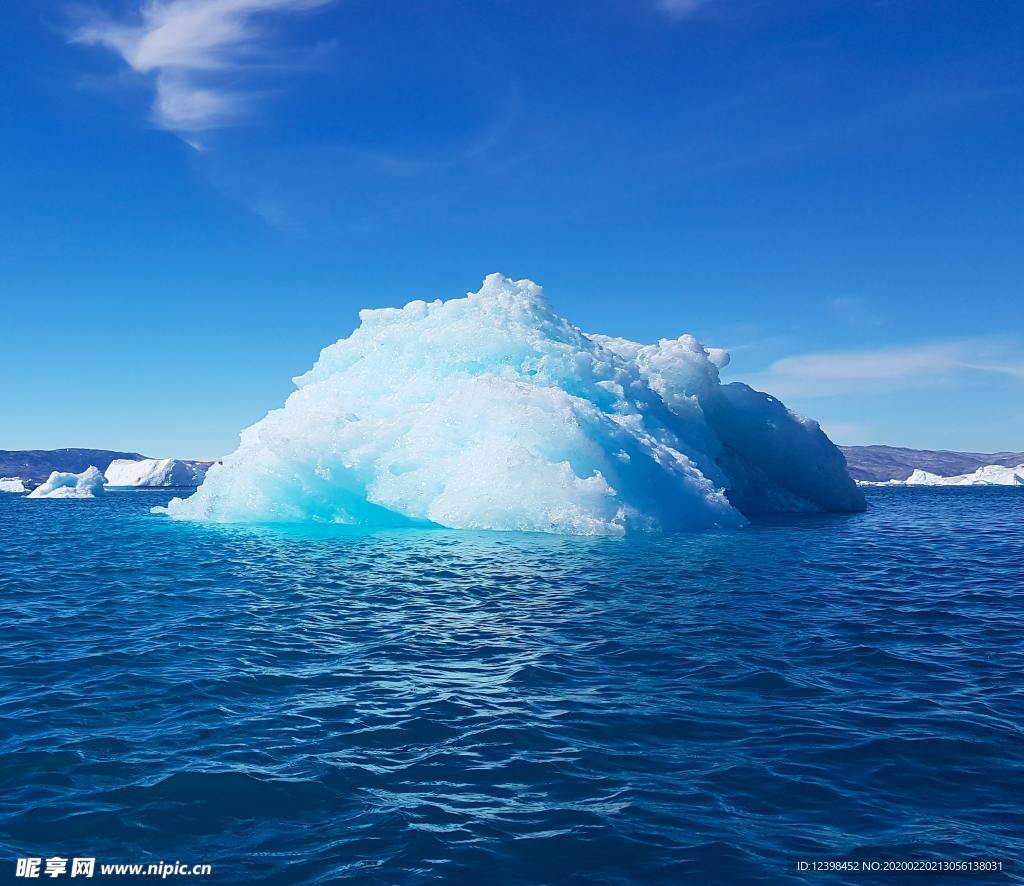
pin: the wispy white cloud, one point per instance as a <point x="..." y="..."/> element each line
<point x="196" y="52"/>
<point x="827" y="373"/>
<point x="680" y="8"/>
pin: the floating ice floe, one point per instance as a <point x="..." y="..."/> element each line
<point x="989" y="475"/>
<point x="12" y="484"/>
<point x="155" y="472"/>
<point x="492" y="412"/>
<point x="88" y="484"/>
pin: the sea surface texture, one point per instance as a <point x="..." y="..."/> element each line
<point x="430" y="706"/>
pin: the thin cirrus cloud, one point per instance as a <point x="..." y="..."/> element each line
<point x="196" y="52"/>
<point x="831" y="373"/>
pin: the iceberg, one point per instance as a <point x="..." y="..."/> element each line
<point x="155" y="472"/>
<point x="995" y="475"/>
<point x="88" y="484"/>
<point x="920" y="477"/>
<point x="493" y="412"/>
<point x="12" y="484"/>
<point x="987" y="475"/>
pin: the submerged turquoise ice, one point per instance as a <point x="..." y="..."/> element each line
<point x="492" y="412"/>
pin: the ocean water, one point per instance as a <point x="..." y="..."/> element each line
<point x="316" y="706"/>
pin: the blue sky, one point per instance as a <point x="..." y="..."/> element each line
<point x="197" y="196"/>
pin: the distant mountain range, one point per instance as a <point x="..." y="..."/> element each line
<point x="879" y="463"/>
<point x="875" y="463"/>
<point x="35" y="465"/>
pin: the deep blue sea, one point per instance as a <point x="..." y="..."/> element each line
<point x="303" y="706"/>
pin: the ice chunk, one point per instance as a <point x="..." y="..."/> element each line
<point x="924" y="478"/>
<point x="719" y="356"/>
<point x="989" y="475"/>
<point x="12" y="484"/>
<point x="88" y="484"/>
<point x="492" y="412"/>
<point x="155" y="472"/>
<point x="995" y="475"/>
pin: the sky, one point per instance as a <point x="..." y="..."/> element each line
<point x="196" y="196"/>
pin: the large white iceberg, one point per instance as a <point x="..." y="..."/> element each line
<point x="995" y="475"/>
<point x="88" y="484"/>
<point x="492" y="412"/>
<point x="988" y="475"/>
<point x="12" y="484"/>
<point x="155" y="472"/>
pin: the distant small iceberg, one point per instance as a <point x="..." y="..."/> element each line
<point x="88" y="484"/>
<point x="988" y="475"/>
<point x="155" y="472"/>
<point x="12" y="484"/>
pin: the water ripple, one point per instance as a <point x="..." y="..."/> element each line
<point x="324" y="705"/>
